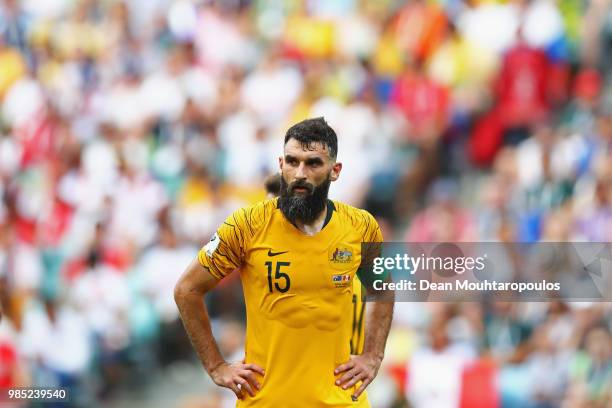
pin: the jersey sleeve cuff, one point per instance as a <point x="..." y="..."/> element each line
<point x="206" y="263"/>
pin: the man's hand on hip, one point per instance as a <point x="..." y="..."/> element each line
<point x="363" y="367"/>
<point x="238" y="377"/>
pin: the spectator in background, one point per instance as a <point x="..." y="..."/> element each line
<point x="13" y="67"/>
<point x="13" y="371"/>
<point x="101" y="296"/>
<point x="196" y="213"/>
<point x="420" y="27"/>
<point x="444" y="220"/>
<point x="272" y="185"/>
<point x="522" y="90"/>
<point x="466" y="68"/>
<point x="496" y="219"/>
<point x="424" y="102"/>
<point x="137" y="201"/>
<point x="434" y="373"/>
<point x="591" y="370"/>
<point x="56" y="340"/>
<point x="596" y="222"/>
<point x="548" y="367"/>
<point x="158" y="269"/>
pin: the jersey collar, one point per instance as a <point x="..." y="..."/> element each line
<point x="330" y="209"/>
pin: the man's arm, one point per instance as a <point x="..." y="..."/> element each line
<point x="364" y="367"/>
<point x="189" y="293"/>
<point x="378" y="323"/>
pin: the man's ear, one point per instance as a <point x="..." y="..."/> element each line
<point x="336" y="169"/>
<point x="280" y="164"/>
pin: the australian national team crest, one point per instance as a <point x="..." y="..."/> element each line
<point x="341" y="255"/>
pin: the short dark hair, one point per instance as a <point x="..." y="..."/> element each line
<point x="272" y="184"/>
<point x="314" y="130"/>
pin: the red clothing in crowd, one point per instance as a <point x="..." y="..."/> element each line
<point x="424" y="102"/>
<point x="522" y="86"/>
<point x="8" y="364"/>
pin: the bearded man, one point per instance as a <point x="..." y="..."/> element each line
<point x="297" y="256"/>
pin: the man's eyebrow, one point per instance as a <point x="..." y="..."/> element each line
<point x="314" y="160"/>
<point x="310" y="160"/>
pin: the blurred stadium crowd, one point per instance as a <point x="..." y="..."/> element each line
<point x="130" y="129"/>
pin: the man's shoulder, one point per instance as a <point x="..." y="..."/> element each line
<point x="356" y="217"/>
<point x="255" y="215"/>
<point x="262" y="207"/>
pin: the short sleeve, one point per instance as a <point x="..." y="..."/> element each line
<point x="225" y="251"/>
<point x="372" y="232"/>
<point x="371" y="249"/>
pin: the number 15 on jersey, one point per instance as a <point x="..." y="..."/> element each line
<point x="280" y="280"/>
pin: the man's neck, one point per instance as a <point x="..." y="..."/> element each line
<point x="314" y="227"/>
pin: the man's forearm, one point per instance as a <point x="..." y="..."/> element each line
<point x="378" y="323"/>
<point x="197" y="324"/>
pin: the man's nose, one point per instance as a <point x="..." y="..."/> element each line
<point x="300" y="172"/>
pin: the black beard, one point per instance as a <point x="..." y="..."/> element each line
<point x="305" y="208"/>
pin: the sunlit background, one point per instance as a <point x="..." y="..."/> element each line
<point x="130" y="129"/>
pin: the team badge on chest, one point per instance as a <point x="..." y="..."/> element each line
<point x="340" y="255"/>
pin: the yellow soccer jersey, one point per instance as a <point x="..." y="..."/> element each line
<point x="358" y="322"/>
<point x="298" y="292"/>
